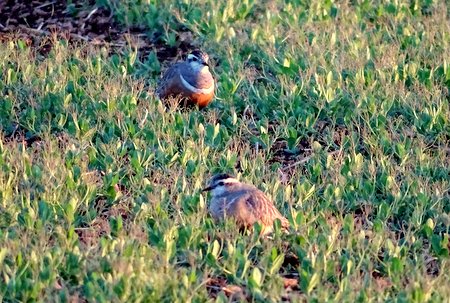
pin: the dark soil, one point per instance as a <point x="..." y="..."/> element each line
<point x="81" y="21"/>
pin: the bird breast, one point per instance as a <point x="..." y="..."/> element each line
<point x="199" y="80"/>
<point x="217" y="207"/>
<point x="202" y="91"/>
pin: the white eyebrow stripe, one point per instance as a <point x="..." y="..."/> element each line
<point x="204" y="91"/>
<point x="191" y="56"/>
<point x="230" y="180"/>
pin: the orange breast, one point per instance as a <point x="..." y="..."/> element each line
<point x="201" y="100"/>
<point x="175" y="88"/>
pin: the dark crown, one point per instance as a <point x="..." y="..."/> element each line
<point x="220" y="177"/>
<point x="200" y="54"/>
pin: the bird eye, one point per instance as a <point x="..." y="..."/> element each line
<point x="194" y="59"/>
<point x="221" y="183"/>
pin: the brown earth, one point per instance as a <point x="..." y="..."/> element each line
<point x="82" y="21"/>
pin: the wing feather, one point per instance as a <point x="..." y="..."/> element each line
<point x="165" y="82"/>
<point x="254" y="206"/>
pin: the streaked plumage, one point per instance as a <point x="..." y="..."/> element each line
<point x="244" y="202"/>
<point x="190" y="79"/>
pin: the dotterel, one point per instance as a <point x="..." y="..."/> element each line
<point x="190" y="79"/>
<point x="243" y="202"/>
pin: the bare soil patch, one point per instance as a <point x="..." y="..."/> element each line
<point x="81" y="21"/>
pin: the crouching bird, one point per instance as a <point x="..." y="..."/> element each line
<point x="243" y="202"/>
<point x="191" y="80"/>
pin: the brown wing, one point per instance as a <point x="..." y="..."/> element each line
<point x="265" y="210"/>
<point x="255" y="206"/>
<point x="166" y="82"/>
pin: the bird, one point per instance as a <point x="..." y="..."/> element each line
<point x="190" y="79"/>
<point x="245" y="203"/>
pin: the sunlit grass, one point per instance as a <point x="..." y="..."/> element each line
<point x="338" y="111"/>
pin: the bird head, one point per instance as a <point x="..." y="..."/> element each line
<point x="197" y="57"/>
<point x="221" y="183"/>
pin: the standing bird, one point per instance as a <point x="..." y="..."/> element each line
<point x="190" y="79"/>
<point x="244" y="202"/>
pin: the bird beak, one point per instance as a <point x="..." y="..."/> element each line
<point x="207" y="189"/>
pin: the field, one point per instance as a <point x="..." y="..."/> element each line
<point x="337" y="110"/>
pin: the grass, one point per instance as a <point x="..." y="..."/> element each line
<point x="339" y="111"/>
